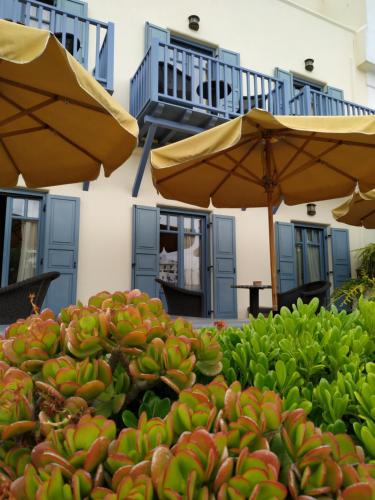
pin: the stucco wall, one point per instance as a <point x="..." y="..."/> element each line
<point x="267" y="33"/>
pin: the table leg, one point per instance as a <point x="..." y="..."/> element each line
<point x="254" y="301"/>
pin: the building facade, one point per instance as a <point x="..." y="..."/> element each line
<point x="117" y="233"/>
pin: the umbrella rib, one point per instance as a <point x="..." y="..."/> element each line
<point x="342" y="141"/>
<point x="317" y="159"/>
<point x="199" y="162"/>
<point x="59" y="97"/>
<point x="9" y="156"/>
<point x="25" y="112"/>
<point x="23" y="131"/>
<point x="236" y="174"/>
<point x="295" y="156"/>
<point x="45" y="125"/>
<point x="235" y="166"/>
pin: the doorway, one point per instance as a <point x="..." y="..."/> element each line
<point x="20" y="232"/>
<point x="311" y="255"/>
<point x="183" y="251"/>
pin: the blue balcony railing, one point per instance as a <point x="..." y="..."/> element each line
<point x="174" y="75"/>
<point x="90" y="41"/>
<point x="312" y="102"/>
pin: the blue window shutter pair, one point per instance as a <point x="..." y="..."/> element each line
<point x="286" y="261"/>
<point x="60" y="251"/>
<point x="145" y="265"/>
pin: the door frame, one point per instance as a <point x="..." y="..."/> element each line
<point x="205" y="274"/>
<point x="324" y="228"/>
<point x="22" y="193"/>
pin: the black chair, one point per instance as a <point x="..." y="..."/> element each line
<point x="15" y="301"/>
<point x="181" y="301"/>
<point x="305" y="292"/>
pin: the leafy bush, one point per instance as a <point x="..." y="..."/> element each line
<point x="321" y="362"/>
<point x="242" y="446"/>
<point x="102" y="403"/>
<point x="363" y="285"/>
<point x="90" y="364"/>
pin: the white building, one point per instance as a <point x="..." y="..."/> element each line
<point x="177" y="81"/>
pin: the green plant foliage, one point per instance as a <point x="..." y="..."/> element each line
<point x="63" y="379"/>
<point x="152" y="405"/>
<point x="101" y="403"/>
<point x="247" y="448"/>
<point x="321" y="362"/>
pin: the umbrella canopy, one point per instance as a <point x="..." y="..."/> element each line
<point x="358" y="210"/>
<point x="258" y="159"/>
<point x="57" y="123"/>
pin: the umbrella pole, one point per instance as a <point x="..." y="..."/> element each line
<point x="271" y="235"/>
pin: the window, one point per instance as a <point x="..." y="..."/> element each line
<point x="20" y="232"/>
<point x="299" y="84"/>
<point x="310" y="254"/>
<point x="192" y="45"/>
<point x="182" y="247"/>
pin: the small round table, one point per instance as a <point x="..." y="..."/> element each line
<point x="254" y="296"/>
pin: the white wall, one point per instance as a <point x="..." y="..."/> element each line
<point x="267" y="33"/>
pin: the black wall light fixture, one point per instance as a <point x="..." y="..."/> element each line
<point x="309" y="64"/>
<point x="311" y="209"/>
<point x="194" y="22"/>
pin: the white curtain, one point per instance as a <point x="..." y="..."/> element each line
<point x="192" y="261"/>
<point x="313" y="262"/>
<point x="27" y="264"/>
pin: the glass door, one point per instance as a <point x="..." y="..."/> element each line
<point x="310" y="254"/>
<point x="21" y="239"/>
<point x="182" y="256"/>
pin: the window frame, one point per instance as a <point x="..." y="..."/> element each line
<point x="189" y="44"/>
<point x="205" y="244"/>
<point x="23" y="194"/>
<point x="322" y="244"/>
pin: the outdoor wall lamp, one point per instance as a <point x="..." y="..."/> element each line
<point x="309" y="64"/>
<point x="311" y="209"/>
<point x="194" y="22"/>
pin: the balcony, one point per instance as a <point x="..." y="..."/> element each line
<point x="90" y="41"/>
<point x="312" y="102"/>
<point x="185" y="92"/>
<point x="177" y="92"/>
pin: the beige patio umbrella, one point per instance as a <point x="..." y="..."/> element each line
<point x="358" y="210"/>
<point x="258" y="160"/>
<point x="57" y="123"/>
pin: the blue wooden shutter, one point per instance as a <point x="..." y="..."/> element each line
<point x="145" y="262"/>
<point x="286" y="263"/>
<point x="156" y="33"/>
<point x="61" y="249"/>
<point x="334" y="92"/>
<point x="340" y="256"/>
<point x="224" y="262"/>
<point x="287" y="78"/>
<point x="233" y="58"/>
<point x="336" y="107"/>
<point x="78" y="8"/>
<point x="11" y="10"/>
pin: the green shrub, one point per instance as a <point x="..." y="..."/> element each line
<point x="102" y="403"/>
<point x="215" y="442"/>
<point x="321" y="362"/>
